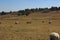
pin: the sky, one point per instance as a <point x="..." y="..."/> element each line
<point x="15" y="5"/>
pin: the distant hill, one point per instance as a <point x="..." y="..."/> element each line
<point x="34" y="12"/>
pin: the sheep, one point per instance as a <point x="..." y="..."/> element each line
<point x="50" y="22"/>
<point x="28" y="22"/>
<point x="16" y="22"/>
<point x="54" y="36"/>
<point x="42" y="21"/>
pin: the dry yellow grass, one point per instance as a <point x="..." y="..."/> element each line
<point x="23" y="31"/>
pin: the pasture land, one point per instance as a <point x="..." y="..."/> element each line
<point x="36" y="30"/>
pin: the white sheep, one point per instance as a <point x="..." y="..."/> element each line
<point x="54" y="36"/>
<point x="16" y="22"/>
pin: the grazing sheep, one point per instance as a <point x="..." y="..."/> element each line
<point x="16" y="22"/>
<point x="42" y="21"/>
<point x="50" y="22"/>
<point x="28" y="22"/>
<point x="54" y="36"/>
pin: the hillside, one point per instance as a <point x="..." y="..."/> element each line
<point x="51" y="14"/>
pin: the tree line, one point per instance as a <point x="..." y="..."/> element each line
<point x="28" y="11"/>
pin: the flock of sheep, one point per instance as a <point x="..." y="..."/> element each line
<point x="53" y="35"/>
<point x="30" y="22"/>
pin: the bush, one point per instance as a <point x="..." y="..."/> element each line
<point x="3" y="13"/>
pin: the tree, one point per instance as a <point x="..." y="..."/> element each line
<point x="41" y="9"/>
<point x="10" y="12"/>
<point x="36" y="10"/>
<point x="26" y="10"/>
<point x="53" y="9"/>
<point x="3" y="13"/>
<point x="32" y="10"/>
<point x="22" y="12"/>
<point x="27" y="13"/>
<point x="58" y="8"/>
<point x="45" y="10"/>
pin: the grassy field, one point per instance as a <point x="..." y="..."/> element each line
<point x="37" y="30"/>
